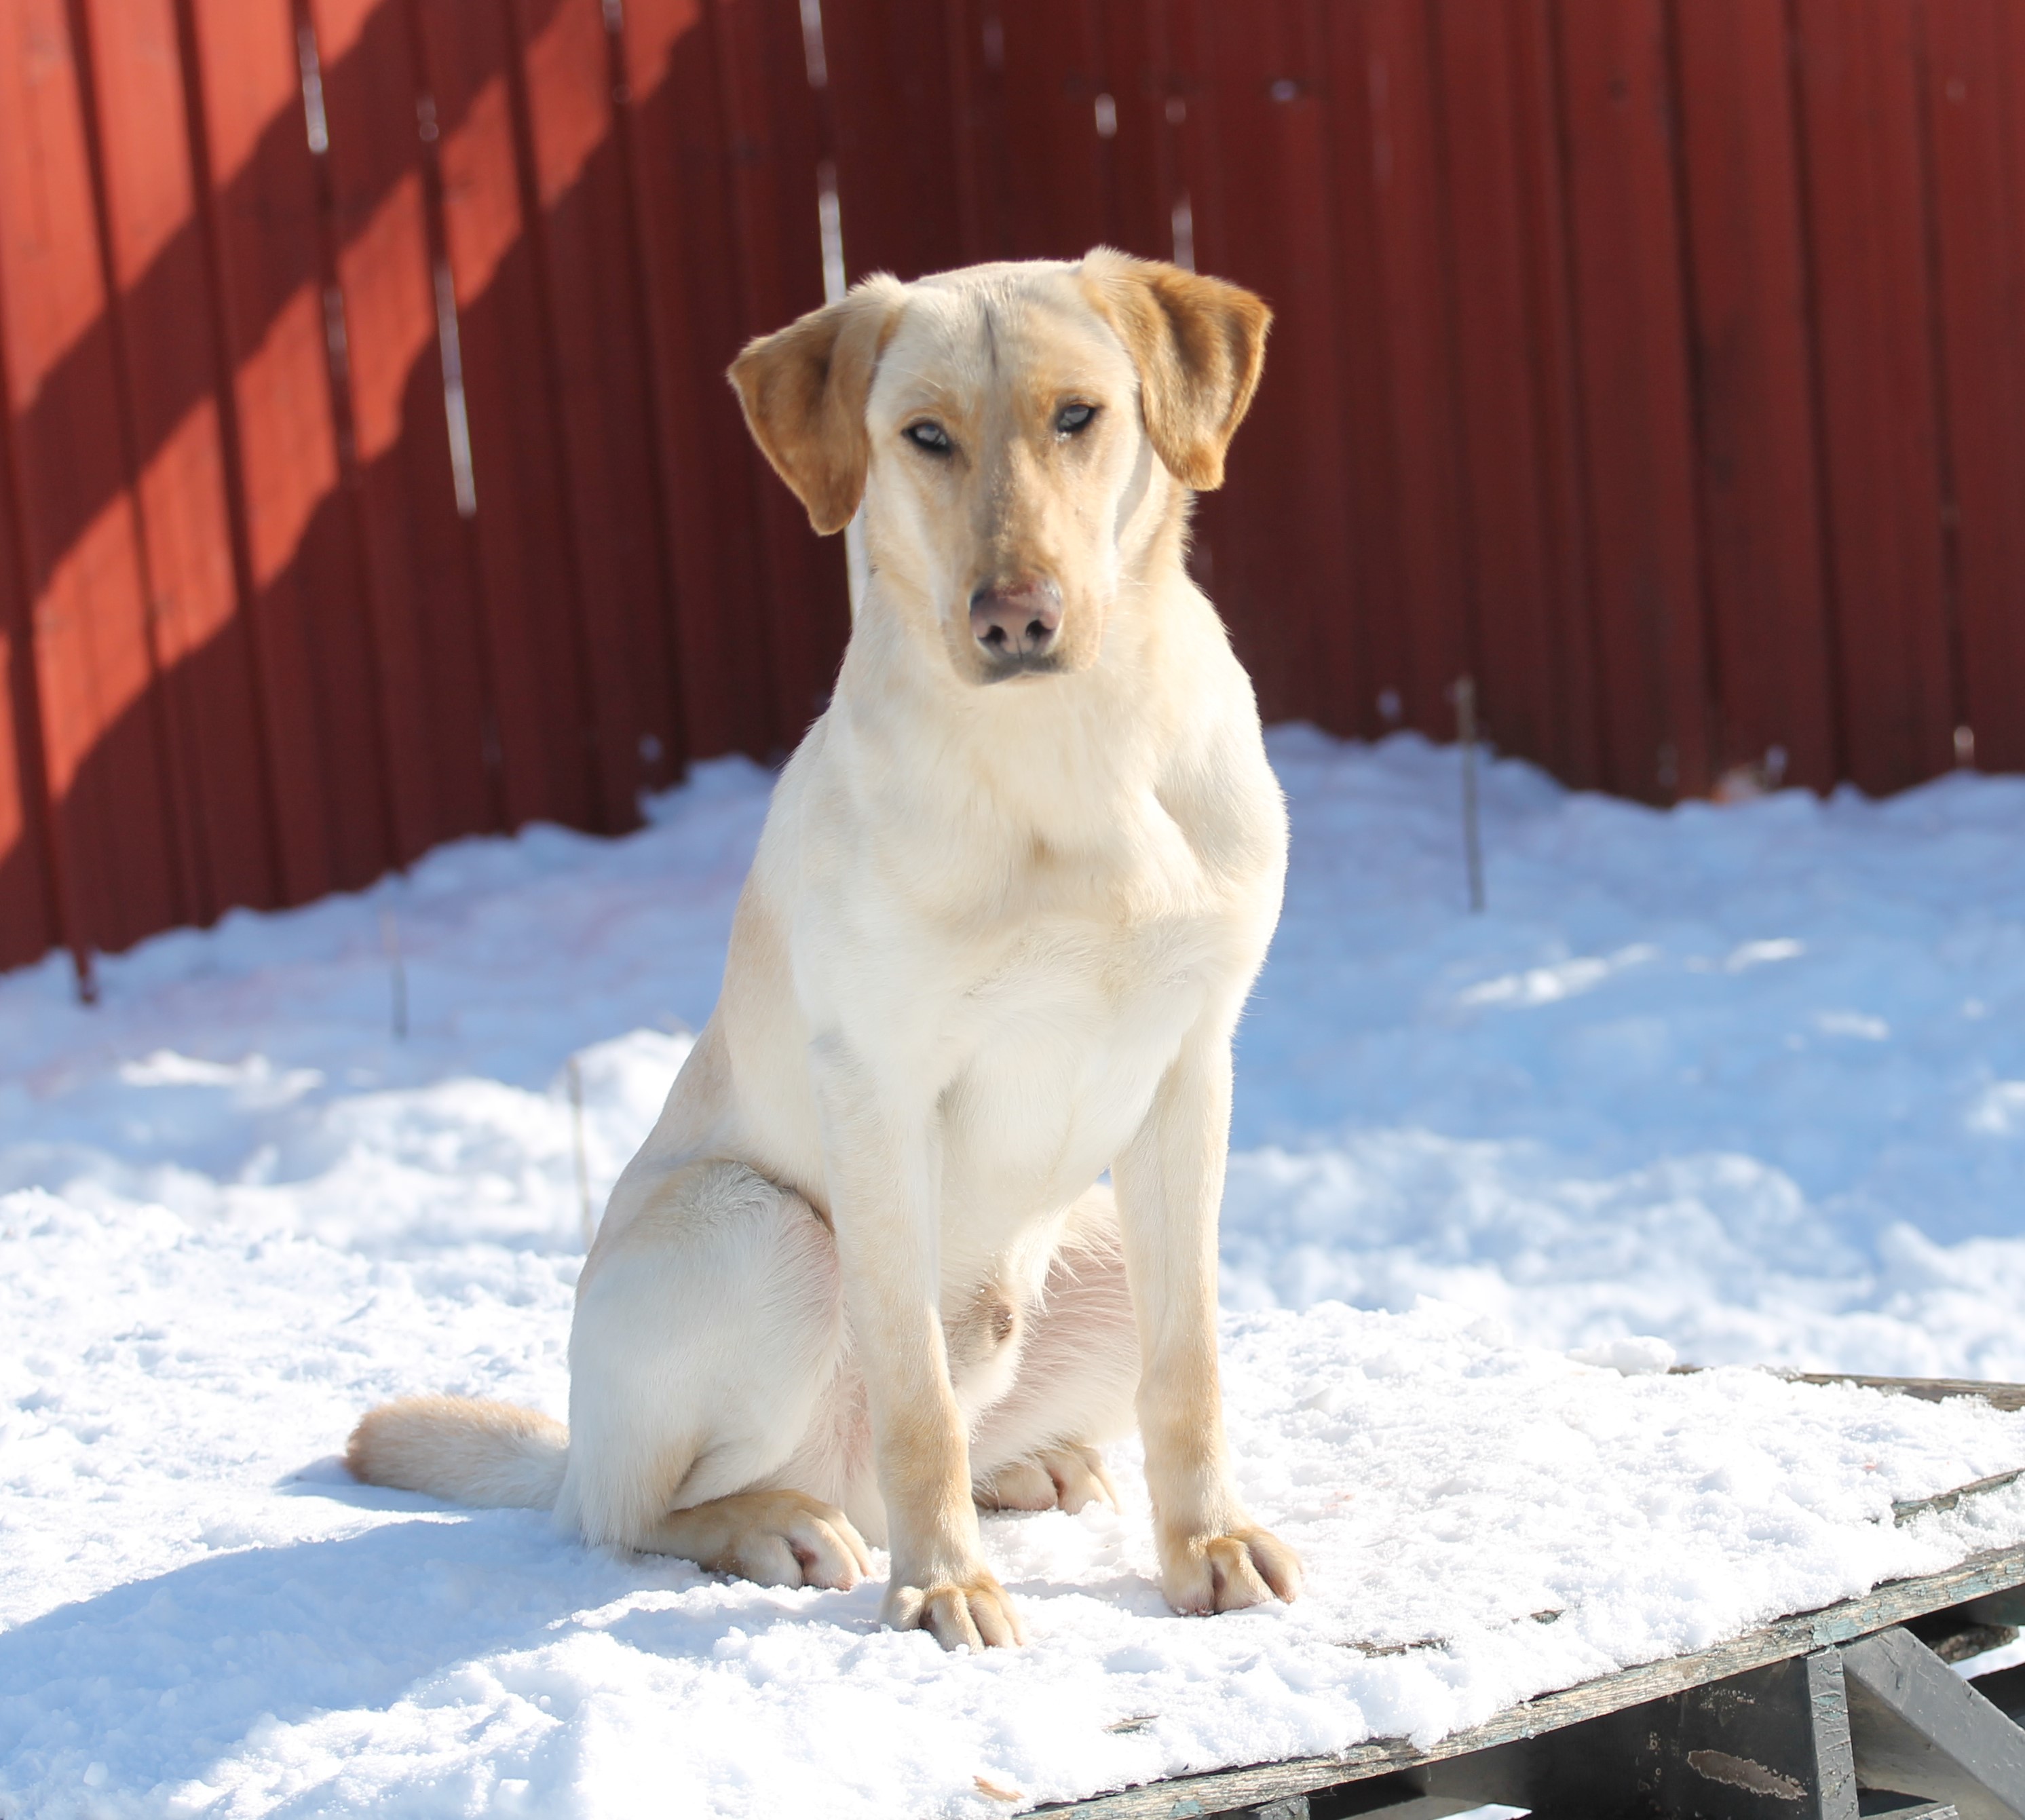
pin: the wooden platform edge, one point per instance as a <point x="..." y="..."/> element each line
<point x="1895" y="1602"/>
<point x="1997" y="1394"/>
<point x="2003" y="1396"/>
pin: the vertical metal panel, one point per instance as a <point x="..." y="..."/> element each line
<point x="1136" y="70"/>
<point x="1409" y="251"/>
<point x="1636" y="415"/>
<point x="31" y="920"/>
<point x="1060" y="188"/>
<point x="1348" y="584"/>
<point x="1552" y="359"/>
<point x="1975" y="102"/>
<point x="1273" y="553"/>
<point x="102" y="740"/>
<point x="1661" y="363"/>
<point x="1761" y="493"/>
<point x="771" y="124"/>
<point x="897" y="127"/>
<point x="1874" y="325"/>
<point x="301" y="559"/>
<point x="162" y="310"/>
<point x="1531" y="639"/>
<point x="682" y="159"/>
<point x="585" y="261"/>
<point x="977" y="93"/>
<point x="396" y="462"/>
<point x="528" y="583"/>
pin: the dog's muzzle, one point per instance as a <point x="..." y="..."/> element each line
<point x="1016" y="625"/>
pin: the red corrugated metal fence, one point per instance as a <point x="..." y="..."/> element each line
<point x="368" y="478"/>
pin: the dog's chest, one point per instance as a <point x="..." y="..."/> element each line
<point x="1055" y="1052"/>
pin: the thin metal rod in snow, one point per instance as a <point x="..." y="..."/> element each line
<point x="576" y="1076"/>
<point x="1463" y="694"/>
<point x="397" y="971"/>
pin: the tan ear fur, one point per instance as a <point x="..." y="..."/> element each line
<point x="1200" y="344"/>
<point x="803" y="391"/>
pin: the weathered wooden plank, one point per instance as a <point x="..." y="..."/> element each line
<point x="2004" y="1396"/>
<point x="1904" y="1509"/>
<point x="1997" y="1570"/>
<point x="1919" y="1726"/>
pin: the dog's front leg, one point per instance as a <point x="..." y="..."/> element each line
<point x="1214" y="1557"/>
<point x="882" y="1166"/>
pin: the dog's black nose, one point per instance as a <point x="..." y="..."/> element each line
<point x="1015" y="619"/>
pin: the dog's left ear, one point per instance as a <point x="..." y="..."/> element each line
<point x="1199" y="345"/>
<point x="803" y="390"/>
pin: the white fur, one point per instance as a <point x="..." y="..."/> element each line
<point x="995" y="943"/>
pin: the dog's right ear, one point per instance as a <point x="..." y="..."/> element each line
<point x="803" y="390"/>
<point x="1199" y="345"/>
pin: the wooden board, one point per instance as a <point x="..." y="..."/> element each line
<point x="2004" y="1396"/>
<point x="1894" y="1603"/>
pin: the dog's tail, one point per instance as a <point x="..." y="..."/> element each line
<point x="457" y="1448"/>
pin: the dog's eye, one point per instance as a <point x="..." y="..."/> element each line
<point x="930" y="437"/>
<point x="1072" y="419"/>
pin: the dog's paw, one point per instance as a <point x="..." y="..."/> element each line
<point x="1201" y="1574"/>
<point x="779" y="1538"/>
<point x="973" y="1609"/>
<point x="1067" y="1478"/>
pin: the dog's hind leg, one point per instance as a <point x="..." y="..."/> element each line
<point x="712" y="1401"/>
<point x="1036" y="1448"/>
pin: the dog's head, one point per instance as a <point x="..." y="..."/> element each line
<point x="1022" y="437"/>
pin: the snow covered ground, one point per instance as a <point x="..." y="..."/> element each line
<point x="1749" y="1081"/>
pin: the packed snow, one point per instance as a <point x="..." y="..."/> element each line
<point x="1740" y="1086"/>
